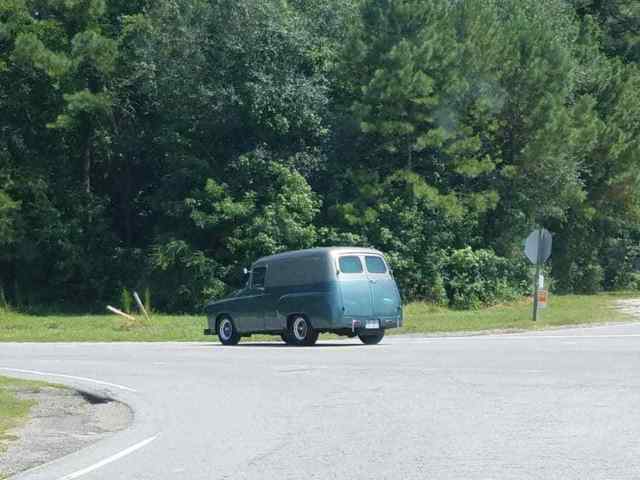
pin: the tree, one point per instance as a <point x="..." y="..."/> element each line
<point x="620" y="23"/>
<point x="167" y="144"/>
<point x="262" y="208"/>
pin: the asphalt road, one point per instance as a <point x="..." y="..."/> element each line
<point x="562" y="404"/>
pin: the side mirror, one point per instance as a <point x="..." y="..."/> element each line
<point x="245" y="278"/>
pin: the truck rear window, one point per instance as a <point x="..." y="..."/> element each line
<point x="350" y="264"/>
<point x="375" y="265"/>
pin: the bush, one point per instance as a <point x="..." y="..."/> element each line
<point x="126" y="300"/>
<point x="147" y="300"/>
<point x="420" y="280"/>
<point x="438" y="292"/>
<point x="184" y="277"/>
<point x="621" y="259"/>
<point x="4" y="305"/>
<point x="587" y="277"/>
<point x="477" y="278"/>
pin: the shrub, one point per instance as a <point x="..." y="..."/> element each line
<point x="438" y="292"/>
<point x="587" y="277"/>
<point x="621" y="259"/>
<point x="420" y="280"/>
<point x="480" y="277"/>
<point x="126" y="300"/>
<point x="4" y="305"/>
<point x="147" y="300"/>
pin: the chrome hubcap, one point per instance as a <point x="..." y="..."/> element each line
<point x="300" y="328"/>
<point x="226" y="329"/>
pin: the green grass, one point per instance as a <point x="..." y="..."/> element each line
<point x="419" y="318"/>
<point x="21" y="327"/>
<point x="562" y="311"/>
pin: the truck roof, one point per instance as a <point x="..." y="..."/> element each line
<point x="315" y="251"/>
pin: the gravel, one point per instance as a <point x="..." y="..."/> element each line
<point x="61" y="422"/>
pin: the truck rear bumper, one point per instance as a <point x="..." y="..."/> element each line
<point x="373" y="324"/>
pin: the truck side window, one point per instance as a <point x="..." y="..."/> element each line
<point x="258" y="277"/>
<point x="375" y="265"/>
<point x="350" y="264"/>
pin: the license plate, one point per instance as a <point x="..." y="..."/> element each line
<point x="372" y="324"/>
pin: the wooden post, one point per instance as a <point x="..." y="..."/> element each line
<point x="141" y="306"/>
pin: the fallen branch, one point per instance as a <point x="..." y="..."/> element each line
<point x="120" y="312"/>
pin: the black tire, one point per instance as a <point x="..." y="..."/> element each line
<point x="371" y="338"/>
<point x="285" y="337"/>
<point x="300" y="332"/>
<point x="227" y="332"/>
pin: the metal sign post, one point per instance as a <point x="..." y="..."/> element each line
<point x="538" y="250"/>
<point x="536" y="281"/>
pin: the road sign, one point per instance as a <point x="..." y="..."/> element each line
<point x="537" y="247"/>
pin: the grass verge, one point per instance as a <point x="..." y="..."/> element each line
<point x="563" y="310"/>
<point x="419" y="318"/>
<point x="13" y="410"/>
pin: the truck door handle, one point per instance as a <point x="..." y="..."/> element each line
<point x="372" y="281"/>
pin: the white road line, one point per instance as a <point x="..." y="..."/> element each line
<point x="111" y="459"/>
<point x="71" y="377"/>
<point x="519" y="337"/>
<point x="573" y="337"/>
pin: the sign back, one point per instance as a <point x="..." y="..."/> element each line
<point x="537" y="247"/>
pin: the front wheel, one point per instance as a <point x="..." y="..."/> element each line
<point x="227" y="332"/>
<point x="371" y="338"/>
<point x="300" y="332"/>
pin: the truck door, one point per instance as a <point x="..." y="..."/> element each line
<point x="354" y="287"/>
<point x="253" y="320"/>
<point x="385" y="298"/>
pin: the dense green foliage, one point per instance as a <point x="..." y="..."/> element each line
<point x="166" y="144"/>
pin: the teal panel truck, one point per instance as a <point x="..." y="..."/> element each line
<point x="298" y="295"/>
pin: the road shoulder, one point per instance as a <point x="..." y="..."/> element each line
<point x="61" y="421"/>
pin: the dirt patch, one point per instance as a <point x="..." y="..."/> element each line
<point x="61" y="421"/>
<point x="630" y="307"/>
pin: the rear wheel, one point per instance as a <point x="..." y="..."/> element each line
<point x="300" y="332"/>
<point x="227" y="332"/>
<point x="371" y="338"/>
